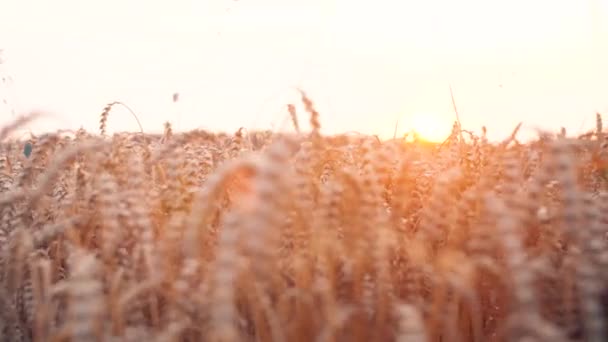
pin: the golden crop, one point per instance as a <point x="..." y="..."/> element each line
<point x="257" y="236"/>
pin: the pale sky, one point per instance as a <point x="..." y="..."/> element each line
<point x="364" y="63"/>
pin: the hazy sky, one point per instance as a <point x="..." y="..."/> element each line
<point x="365" y="63"/>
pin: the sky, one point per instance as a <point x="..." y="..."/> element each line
<point x="367" y="65"/>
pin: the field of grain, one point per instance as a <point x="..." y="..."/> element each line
<point x="257" y="236"/>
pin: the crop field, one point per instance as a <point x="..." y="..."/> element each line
<point x="288" y="237"/>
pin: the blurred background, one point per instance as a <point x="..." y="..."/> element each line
<point x="366" y="64"/>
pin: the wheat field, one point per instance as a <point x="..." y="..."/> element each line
<point x="256" y="236"/>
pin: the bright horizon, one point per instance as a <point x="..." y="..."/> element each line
<point x="365" y="64"/>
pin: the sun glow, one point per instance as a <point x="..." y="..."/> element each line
<point x="429" y="126"/>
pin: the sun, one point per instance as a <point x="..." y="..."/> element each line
<point x="429" y="126"/>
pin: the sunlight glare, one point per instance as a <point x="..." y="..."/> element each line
<point x="429" y="126"/>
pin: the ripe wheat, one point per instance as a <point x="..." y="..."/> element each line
<point x="255" y="236"/>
